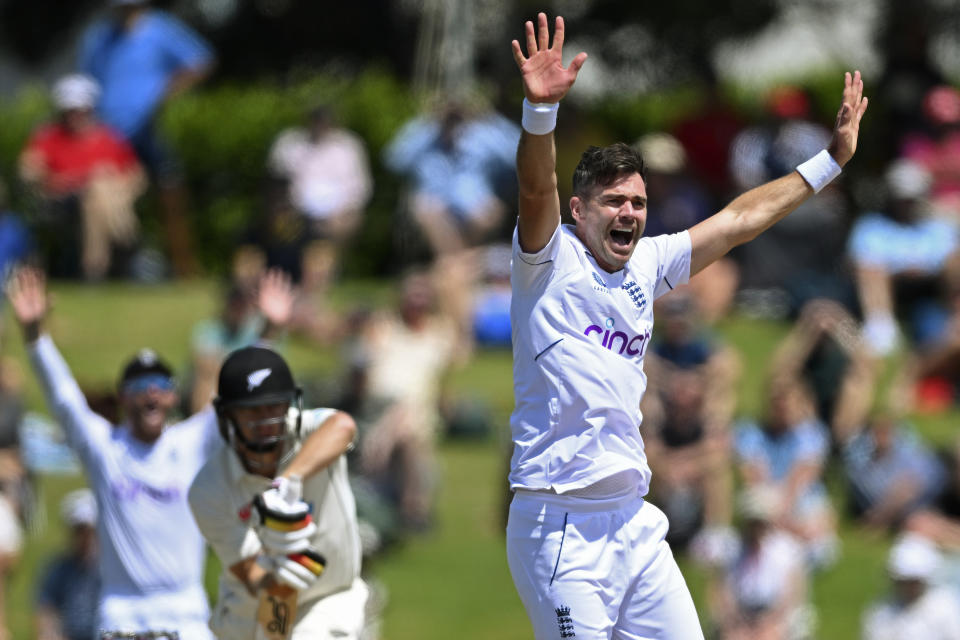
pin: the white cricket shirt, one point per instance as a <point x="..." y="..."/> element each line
<point x="151" y="550"/>
<point x="579" y="337"/>
<point x="221" y="498"/>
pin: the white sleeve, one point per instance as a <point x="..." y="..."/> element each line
<point x="230" y="538"/>
<point x="528" y="270"/>
<point x="311" y="419"/>
<point x="875" y="624"/>
<point x="86" y="431"/>
<point x="673" y="262"/>
<point x="210" y="437"/>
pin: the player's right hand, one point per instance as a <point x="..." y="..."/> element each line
<point x="542" y="71"/>
<point x="298" y="570"/>
<point x="283" y="521"/>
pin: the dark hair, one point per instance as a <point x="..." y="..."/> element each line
<point x="602" y="166"/>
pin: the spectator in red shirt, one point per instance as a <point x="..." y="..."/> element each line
<point x="87" y="179"/>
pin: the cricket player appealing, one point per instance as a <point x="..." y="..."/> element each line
<point x="151" y="552"/>
<point x="277" y="508"/>
<point x="586" y="551"/>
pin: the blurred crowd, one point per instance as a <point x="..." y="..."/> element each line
<point x="866" y="273"/>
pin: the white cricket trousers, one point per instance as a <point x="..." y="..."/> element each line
<point x="183" y="611"/>
<point x="597" y="569"/>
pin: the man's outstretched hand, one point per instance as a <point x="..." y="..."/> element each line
<point x="544" y="78"/>
<point x="276" y="298"/>
<point x="847" y="129"/>
<point x="27" y="292"/>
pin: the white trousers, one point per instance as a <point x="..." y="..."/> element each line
<point x="338" y="616"/>
<point x="184" y="611"/>
<point x="597" y="569"/>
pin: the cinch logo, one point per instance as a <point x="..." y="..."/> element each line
<point x="618" y="340"/>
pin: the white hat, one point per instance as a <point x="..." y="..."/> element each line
<point x="907" y="179"/>
<point x="79" y="507"/>
<point x="75" y="91"/>
<point x="913" y="557"/>
<point x="662" y="152"/>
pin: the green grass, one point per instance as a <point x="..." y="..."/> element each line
<point x="452" y="582"/>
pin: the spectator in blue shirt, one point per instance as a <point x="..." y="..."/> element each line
<point x="16" y="244"/>
<point x="455" y="162"/>
<point x="70" y="588"/>
<point x="787" y="451"/>
<point x="143" y="57"/>
<point x="895" y="480"/>
<point x="901" y="258"/>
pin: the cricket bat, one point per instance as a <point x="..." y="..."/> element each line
<point x="276" y="613"/>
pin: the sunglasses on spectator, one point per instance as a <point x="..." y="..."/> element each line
<point x="145" y="383"/>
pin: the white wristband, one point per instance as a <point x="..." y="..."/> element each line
<point x="819" y="170"/>
<point x="540" y="118"/>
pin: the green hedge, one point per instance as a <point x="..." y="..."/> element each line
<point x="222" y="133"/>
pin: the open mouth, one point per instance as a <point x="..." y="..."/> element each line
<point x="621" y="237"/>
<point x="150" y="409"/>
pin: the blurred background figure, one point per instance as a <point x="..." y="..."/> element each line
<point x="687" y="410"/>
<point x="238" y="325"/>
<point x="86" y="179"/>
<point x="324" y="171"/>
<point x="901" y="258"/>
<point x="455" y="161"/>
<point x="824" y="351"/>
<point x="678" y="203"/>
<point x="895" y="481"/>
<point x="321" y="184"/>
<point x="786" y="452"/>
<point x="759" y="591"/>
<point x="490" y="312"/>
<point x="910" y="72"/>
<point x="16" y="242"/>
<point x="69" y="589"/>
<point x="400" y="361"/>
<point x="917" y="608"/>
<point x="707" y="134"/>
<point x="248" y="316"/>
<point x="16" y="488"/>
<point x="937" y="149"/>
<point x="142" y="58"/>
<point x="801" y="256"/>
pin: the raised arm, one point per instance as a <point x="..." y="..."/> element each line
<point x="275" y="300"/>
<point x="27" y="293"/>
<point x="758" y="209"/>
<point x="545" y="82"/>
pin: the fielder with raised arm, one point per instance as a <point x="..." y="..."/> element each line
<point x="586" y="551"/>
<point x="151" y="552"/>
<point x="276" y="506"/>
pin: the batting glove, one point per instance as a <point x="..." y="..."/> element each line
<point x="283" y="524"/>
<point x="298" y="570"/>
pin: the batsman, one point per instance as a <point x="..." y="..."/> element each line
<point x="276" y="507"/>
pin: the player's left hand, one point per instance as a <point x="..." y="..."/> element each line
<point x="283" y="520"/>
<point x="847" y="128"/>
